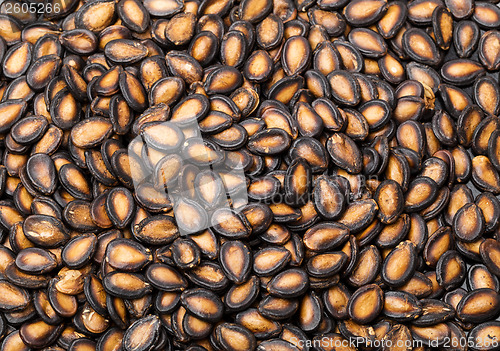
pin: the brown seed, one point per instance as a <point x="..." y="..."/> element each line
<point x="12" y="111"/>
<point x="399" y="266"/>
<point x="42" y="71"/>
<point x="450" y="270"/>
<point x="79" y="41"/>
<point x="487" y="95"/>
<point x="330" y="22"/>
<point x="393" y="19"/>
<point x="235" y="260"/>
<point x="257" y="324"/>
<point x="421" y="192"/>
<point x="389" y="198"/>
<point x="344" y="152"/>
<point x="478" y="305"/>
<point x="465" y="37"/>
<point x="173" y="32"/>
<point x="184" y="66"/>
<point x="69" y="281"/>
<point x="203" y="47"/>
<point x="469" y="223"/>
<point x="421" y="11"/>
<point x="41" y="172"/>
<point x="223" y="80"/>
<point x="290" y="283"/>
<point x="269" y="142"/>
<point x="234" y="337"/>
<point x="480" y="277"/>
<point x="486" y="16"/>
<point x="254" y="10"/>
<point x="488" y="251"/>
<point x="484" y="175"/>
<point x="125" y="254"/>
<point x="39" y="334"/>
<point x="310" y="312"/>
<point x="17" y="60"/>
<point x="185" y="253"/>
<point x="327" y="264"/>
<point x="328" y="198"/>
<point x="438" y="243"/>
<point x="35" y="260"/>
<point x="420" y="47"/>
<point x="78" y="251"/>
<point x="443" y="127"/>
<point x="455" y="99"/>
<point x="485" y="333"/>
<point x="13" y="298"/>
<point x="398" y="333"/>
<point x="90" y="132"/>
<point x="133" y="91"/>
<point x="368" y="42"/>
<point x="230" y="223"/>
<point x="166" y="90"/>
<point x="158" y="230"/>
<point x="163" y="8"/>
<point x="45" y="231"/>
<point x="296" y="55"/>
<point x="326" y="58"/>
<point x="366" y="267"/>
<point x="442" y="24"/>
<point x="364" y="12"/>
<point x="397" y="168"/>
<point x="325" y="236"/>
<point x="345" y="89"/>
<point x="64" y="305"/>
<point x="134" y="339"/>
<point x="483" y="133"/>
<point x="461" y="72"/>
<point x="434" y="312"/>
<point x="401" y="306"/>
<point x="74" y="181"/>
<point x="368" y="295"/>
<point x="258" y="66"/>
<point x="391" y="68"/>
<point x="127" y="285"/>
<point x="202" y="303"/>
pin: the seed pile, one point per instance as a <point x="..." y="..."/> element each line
<point x="369" y="139"/>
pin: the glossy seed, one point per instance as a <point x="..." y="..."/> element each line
<point x="399" y="265"/>
<point x="450" y="270"/>
<point x="370" y="295"/>
<point x="389" y="197"/>
<point x="401" y="306"/>
<point x="485" y="300"/>
<point x="364" y="12"/>
<point x="133" y="339"/>
<point x="433" y="312"/>
<point x="35" y="260"/>
<point x="126" y="285"/>
<point x="235" y="260"/>
<point x="461" y="72"/>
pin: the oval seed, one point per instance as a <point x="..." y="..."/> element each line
<point x="389" y="197"/>
<point x="203" y="304"/>
<point x="235" y="260"/>
<point x="401" y="306"/>
<point x="126" y="285"/>
<point x="450" y="270"/>
<point x="369" y="295"/>
<point x="478" y="305"/>
<point x="134" y="338"/>
<point x="35" y="260"/>
<point x="398" y="267"/>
